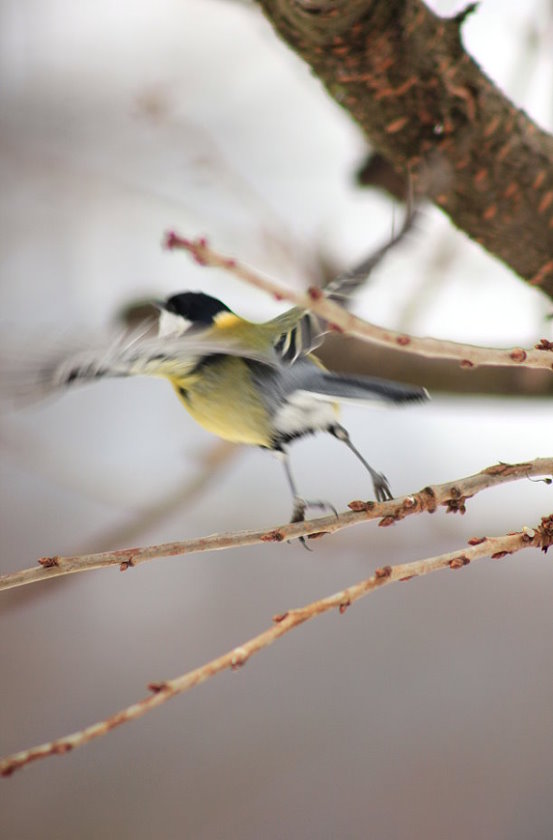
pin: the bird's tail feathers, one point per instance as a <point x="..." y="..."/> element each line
<point x="364" y="388"/>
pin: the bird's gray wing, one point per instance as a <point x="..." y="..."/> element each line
<point x="301" y="340"/>
<point x="294" y="334"/>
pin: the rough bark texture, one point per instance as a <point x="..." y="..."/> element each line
<point x="425" y="105"/>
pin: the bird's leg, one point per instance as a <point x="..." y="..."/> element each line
<point x="380" y="482"/>
<point x="301" y="504"/>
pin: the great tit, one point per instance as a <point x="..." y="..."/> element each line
<point x="258" y="384"/>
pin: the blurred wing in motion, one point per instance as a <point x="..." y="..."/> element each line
<point x="300" y="332"/>
<point x="33" y="373"/>
<point x="345" y="285"/>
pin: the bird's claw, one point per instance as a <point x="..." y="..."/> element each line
<point x="300" y="507"/>
<point x="381" y="488"/>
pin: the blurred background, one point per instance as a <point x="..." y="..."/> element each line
<point x="424" y="711"/>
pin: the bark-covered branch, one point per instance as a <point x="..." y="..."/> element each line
<point x="344" y="354"/>
<point x="340" y="320"/>
<point x="452" y="495"/>
<point x="403" y="74"/>
<point x="160" y="692"/>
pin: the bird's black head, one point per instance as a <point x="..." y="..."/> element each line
<point x="195" y="307"/>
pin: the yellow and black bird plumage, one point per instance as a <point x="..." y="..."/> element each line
<point x="257" y="384"/>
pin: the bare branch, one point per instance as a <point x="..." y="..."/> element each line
<point x="469" y="356"/>
<point x="344" y="354"/>
<point x="539" y="537"/>
<point x="452" y="495"/>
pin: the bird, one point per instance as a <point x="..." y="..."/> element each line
<point x="251" y="383"/>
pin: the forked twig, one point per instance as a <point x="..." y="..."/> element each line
<point x="539" y="537"/>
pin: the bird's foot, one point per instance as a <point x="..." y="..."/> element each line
<point x="300" y="508"/>
<point x="381" y="487"/>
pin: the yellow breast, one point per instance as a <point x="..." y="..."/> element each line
<point x="222" y="399"/>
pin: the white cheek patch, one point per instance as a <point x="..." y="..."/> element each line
<point x="303" y="412"/>
<point x="170" y="324"/>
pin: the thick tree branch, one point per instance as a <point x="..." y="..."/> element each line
<point x="339" y="319"/>
<point x="403" y="74"/>
<point x="539" y="537"/>
<point x="452" y="495"/>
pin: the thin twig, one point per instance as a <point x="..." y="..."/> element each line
<point x="452" y="495"/>
<point x="539" y="537"/>
<point x="469" y="356"/>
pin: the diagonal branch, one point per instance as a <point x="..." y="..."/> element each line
<point x="424" y="104"/>
<point x="469" y="356"/>
<point x="539" y="537"/>
<point x="452" y="495"/>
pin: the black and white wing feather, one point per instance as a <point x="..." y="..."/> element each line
<point x="61" y="363"/>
